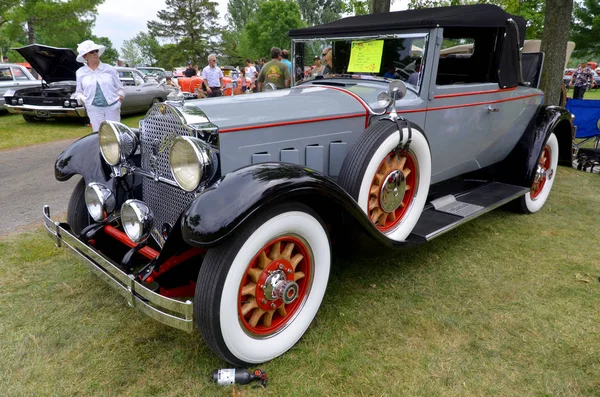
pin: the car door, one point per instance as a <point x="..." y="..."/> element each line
<point x="6" y="81"/>
<point x="22" y="79"/>
<point x="132" y="101"/>
<point x="462" y="113"/>
<point x="144" y="90"/>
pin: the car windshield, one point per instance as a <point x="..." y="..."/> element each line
<point x="384" y="57"/>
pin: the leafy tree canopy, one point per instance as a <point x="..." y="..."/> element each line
<point x="190" y="24"/>
<point x="240" y="12"/>
<point x="316" y="12"/>
<point x="585" y="30"/>
<point x="269" y="29"/>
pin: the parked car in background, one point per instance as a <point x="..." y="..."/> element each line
<point x="178" y="71"/>
<point x="218" y="214"/>
<point x="54" y="98"/>
<point x="14" y="77"/>
<point x="153" y="72"/>
<point x="569" y="76"/>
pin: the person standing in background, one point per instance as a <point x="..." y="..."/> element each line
<point x="581" y="78"/>
<point x="213" y="76"/>
<point x="274" y="72"/>
<point x="285" y="54"/>
<point x="252" y="73"/>
<point x="189" y="71"/>
<point x="98" y="85"/>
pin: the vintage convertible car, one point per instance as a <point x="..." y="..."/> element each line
<point x="54" y="97"/>
<point x="13" y="77"/>
<point x="223" y="219"/>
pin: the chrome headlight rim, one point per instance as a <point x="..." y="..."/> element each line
<point x="384" y="100"/>
<point x="126" y="141"/>
<point x="143" y="220"/>
<point x="203" y="160"/>
<point x="105" y="201"/>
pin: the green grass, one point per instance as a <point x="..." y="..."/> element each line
<point x="506" y="305"/>
<point x="16" y="132"/>
<point x="593" y="94"/>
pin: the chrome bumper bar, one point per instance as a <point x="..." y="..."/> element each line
<point x="171" y="312"/>
<point x="46" y="111"/>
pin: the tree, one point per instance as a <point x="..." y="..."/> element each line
<point x="148" y="48"/>
<point x="586" y="28"/>
<point x="554" y="46"/>
<point x="269" y="28"/>
<point x="130" y="53"/>
<point x="316" y="12"/>
<point x="378" y="6"/>
<point x="239" y="13"/>
<point x="190" y="24"/>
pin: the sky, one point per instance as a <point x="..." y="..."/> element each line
<point x="121" y="20"/>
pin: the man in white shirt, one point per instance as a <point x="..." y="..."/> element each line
<point x="213" y="77"/>
<point x="252" y="73"/>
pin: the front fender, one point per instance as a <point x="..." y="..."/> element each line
<point x="520" y="166"/>
<point x="228" y="204"/>
<point x="82" y="157"/>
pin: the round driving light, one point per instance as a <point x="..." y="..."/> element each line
<point x="187" y="162"/>
<point x="66" y="104"/>
<point x="384" y="100"/>
<point x="14" y="101"/>
<point x="99" y="201"/>
<point x="137" y="220"/>
<point x="20" y="101"/>
<point x="109" y="144"/>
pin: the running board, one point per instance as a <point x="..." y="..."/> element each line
<point x="450" y="211"/>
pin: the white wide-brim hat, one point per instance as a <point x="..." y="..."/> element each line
<point x="88" y="46"/>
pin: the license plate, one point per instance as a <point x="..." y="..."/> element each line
<point x="43" y="113"/>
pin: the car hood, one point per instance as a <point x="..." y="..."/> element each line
<point x="53" y="64"/>
<point x="283" y="106"/>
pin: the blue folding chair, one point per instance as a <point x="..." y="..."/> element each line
<point x="587" y="123"/>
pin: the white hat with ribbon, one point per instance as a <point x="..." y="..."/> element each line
<point x="86" y="47"/>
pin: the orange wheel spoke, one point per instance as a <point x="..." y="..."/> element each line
<point x="379" y="179"/>
<point x="276" y="251"/>
<point x="392" y="216"/>
<point x="373" y="203"/>
<point x="263" y="260"/>
<point x="382" y="218"/>
<point x="376" y="214"/>
<point x="281" y="311"/>
<point x="254" y="274"/>
<point x="268" y="317"/>
<point x="295" y="260"/>
<point x="256" y="315"/>
<point x="406" y="172"/>
<point x="298" y="276"/>
<point x="374" y="191"/>
<point x="401" y="162"/>
<point x="287" y="252"/>
<point x="249" y="289"/>
<point x="249" y="305"/>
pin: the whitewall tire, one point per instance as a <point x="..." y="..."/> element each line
<point x="285" y="252"/>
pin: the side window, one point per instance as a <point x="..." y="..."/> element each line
<point x="5" y="74"/>
<point x="139" y="80"/>
<point x="468" y="57"/>
<point x="126" y="78"/>
<point x="18" y="74"/>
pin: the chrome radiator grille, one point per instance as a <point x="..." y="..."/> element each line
<point x="160" y="127"/>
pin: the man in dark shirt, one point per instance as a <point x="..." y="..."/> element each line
<point x="274" y="71"/>
<point x="190" y="71"/>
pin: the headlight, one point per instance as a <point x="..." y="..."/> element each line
<point x="99" y="201"/>
<point x="66" y="104"/>
<point x="192" y="162"/>
<point x="137" y="220"/>
<point x="117" y="141"/>
<point x="20" y="101"/>
<point x="14" y="101"/>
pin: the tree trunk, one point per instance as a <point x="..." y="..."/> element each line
<point x="557" y="22"/>
<point x="31" y="30"/>
<point x="378" y="6"/>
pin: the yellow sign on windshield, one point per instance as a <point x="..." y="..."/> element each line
<point x="365" y="56"/>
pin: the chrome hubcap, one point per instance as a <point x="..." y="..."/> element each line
<point x="278" y="287"/>
<point x="392" y="191"/>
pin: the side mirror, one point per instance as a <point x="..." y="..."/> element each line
<point x="397" y="89"/>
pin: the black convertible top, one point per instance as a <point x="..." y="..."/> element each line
<point x="469" y="16"/>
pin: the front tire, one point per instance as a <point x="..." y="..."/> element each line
<point x="285" y="249"/>
<point x="535" y="199"/>
<point x="390" y="186"/>
<point x="78" y="216"/>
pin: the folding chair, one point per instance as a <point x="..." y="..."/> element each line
<point x="587" y="123"/>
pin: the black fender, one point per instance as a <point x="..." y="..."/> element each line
<point x="520" y="165"/>
<point x="221" y="209"/>
<point x="83" y="158"/>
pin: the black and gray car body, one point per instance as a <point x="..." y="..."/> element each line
<point x="54" y="96"/>
<point x="220" y="216"/>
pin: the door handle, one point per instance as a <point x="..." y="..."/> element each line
<point x="492" y="110"/>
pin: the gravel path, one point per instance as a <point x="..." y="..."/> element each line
<point x="27" y="183"/>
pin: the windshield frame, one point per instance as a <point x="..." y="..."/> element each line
<point x="424" y="34"/>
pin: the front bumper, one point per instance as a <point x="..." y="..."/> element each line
<point x="168" y="311"/>
<point x="46" y="111"/>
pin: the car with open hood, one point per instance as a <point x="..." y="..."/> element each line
<point x="223" y="220"/>
<point x="54" y="96"/>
